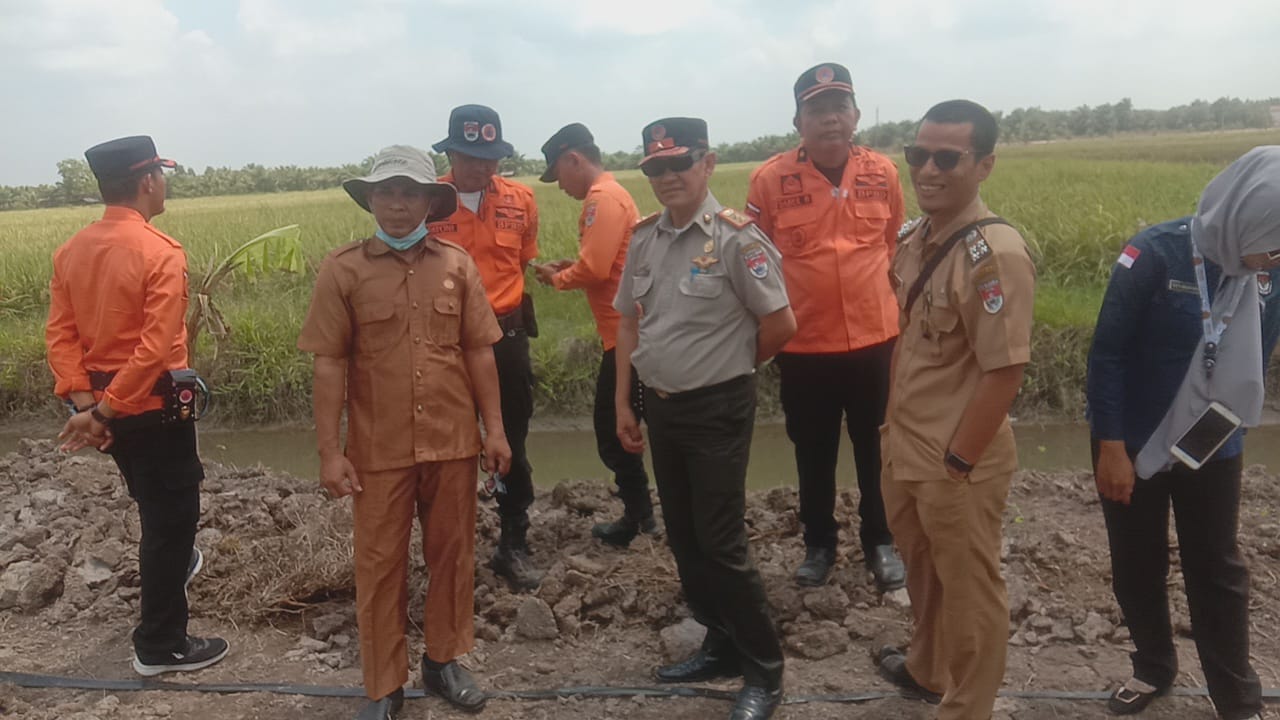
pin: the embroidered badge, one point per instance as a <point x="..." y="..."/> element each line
<point x="1128" y="256"/>
<point x="489" y="132"/>
<point x="1264" y="283"/>
<point x="757" y="260"/>
<point x="589" y="215"/>
<point x="471" y="130"/>
<point x="1184" y="287"/>
<point x="824" y="74"/>
<point x="992" y="295"/>
<point x="977" y="247"/>
<point x="703" y="262"/>
<point x="791" y="184"/>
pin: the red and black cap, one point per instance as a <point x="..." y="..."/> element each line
<point x="823" y="78"/>
<point x="569" y="137"/>
<point x="124" y="157"/>
<point x="674" y="136"/>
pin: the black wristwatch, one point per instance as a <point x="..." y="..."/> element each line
<point x="955" y="461"/>
<point x="97" y="415"/>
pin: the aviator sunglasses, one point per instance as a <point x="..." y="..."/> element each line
<point x="945" y="160"/>
<point x="659" y="166"/>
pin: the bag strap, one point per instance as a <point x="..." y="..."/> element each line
<point x="936" y="258"/>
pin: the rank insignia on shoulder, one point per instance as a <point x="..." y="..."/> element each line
<point x="977" y="246"/>
<point x="992" y="295"/>
<point x="737" y="219"/>
<point x="756" y="260"/>
<point x="647" y="219"/>
<point x="907" y="228"/>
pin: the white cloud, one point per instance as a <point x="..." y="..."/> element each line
<point x="298" y="28"/>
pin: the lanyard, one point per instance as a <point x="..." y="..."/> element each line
<point x="1212" y="329"/>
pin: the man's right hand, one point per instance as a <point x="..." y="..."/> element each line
<point x="1114" y="475"/>
<point x="338" y="475"/>
<point x="629" y="430"/>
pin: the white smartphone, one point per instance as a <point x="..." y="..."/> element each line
<point x="1214" y="427"/>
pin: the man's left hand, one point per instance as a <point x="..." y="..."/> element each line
<point x="82" y="431"/>
<point x="497" y="454"/>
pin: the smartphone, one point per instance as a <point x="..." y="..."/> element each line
<point x="1213" y="428"/>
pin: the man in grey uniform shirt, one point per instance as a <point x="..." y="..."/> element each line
<point x="702" y="302"/>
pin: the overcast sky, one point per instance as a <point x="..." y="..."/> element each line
<point x="324" y="82"/>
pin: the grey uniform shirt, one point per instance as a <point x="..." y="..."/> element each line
<point x="698" y="292"/>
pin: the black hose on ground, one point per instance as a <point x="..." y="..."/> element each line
<point x="33" y="680"/>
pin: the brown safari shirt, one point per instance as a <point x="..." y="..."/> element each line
<point x="402" y="320"/>
<point x="973" y="316"/>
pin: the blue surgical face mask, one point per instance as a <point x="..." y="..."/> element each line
<point x="407" y="241"/>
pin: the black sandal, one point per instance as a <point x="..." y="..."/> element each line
<point x="1133" y="697"/>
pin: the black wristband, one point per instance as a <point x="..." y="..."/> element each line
<point x="97" y="415"/>
<point x="958" y="462"/>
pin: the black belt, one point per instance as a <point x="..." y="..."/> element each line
<point x="702" y="391"/>
<point x="100" y="379"/>
<point x="512" y="321"/>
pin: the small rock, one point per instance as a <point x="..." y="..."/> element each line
<point x="682" y="640"/>
<point x="818" y="642"/>
<point x="535" y="621"/>
<point x="29" y="586"/>
<point x="1093" y="628"/>
<point x="586" y="566"/>
<point x="829" y="602"/>
<point x="898" y="597"/>
<point x="312" y="645"/>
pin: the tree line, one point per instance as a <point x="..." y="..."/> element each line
<point x="76" y="185"/>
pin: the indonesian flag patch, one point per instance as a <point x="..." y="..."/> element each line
<point x="1128" y="256"/>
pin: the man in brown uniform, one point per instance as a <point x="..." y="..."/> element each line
<point x="965" y="284"/>
<point x="400" y="328"/>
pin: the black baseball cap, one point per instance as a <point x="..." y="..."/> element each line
<point x="672" y="137"/>
<point x="123" y="157"/>
<point x="569" y="137"/>
<point x="475" y="130"/>
<point x="823" y="78"/>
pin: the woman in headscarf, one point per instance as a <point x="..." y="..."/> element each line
<point x="1156" y="363"/>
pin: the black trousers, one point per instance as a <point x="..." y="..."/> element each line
<point x="162" y="469"/>
<point x="818" y="391"/>
<point x="628" y="468"/>
<point x="515" y="383"/>
<point x="700" y="442"/>
<point x="1206" y="504"/>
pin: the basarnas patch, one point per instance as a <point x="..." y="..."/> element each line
<point x="992" y="295"/>
<point x="757" y="260"/>
<point x="589" y="215"/>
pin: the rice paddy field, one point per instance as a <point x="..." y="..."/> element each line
<point x="1076" y="202"/>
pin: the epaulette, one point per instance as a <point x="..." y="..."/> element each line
<point x="450" y="244"/>
<point x="908" y="227"/>
<point x="161" y="234"/>
<point x="976" y="246"/>
<point x="646" y="220"/>
<point x="735" y="218"/>
<point x="343" y="249"/>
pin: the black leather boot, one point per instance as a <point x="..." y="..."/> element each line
<point x="511" y="560"/>
<point x="816" y="567"/>
<point x="384" y="709"/>
<point x="637" y="517"/>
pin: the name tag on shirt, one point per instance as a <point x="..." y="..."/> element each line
<point x="1184" y="287"/>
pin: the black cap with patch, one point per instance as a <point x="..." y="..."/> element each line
<point x="123" y="157"/>
<point x="569" y="137"/>
<point x="475" y="130"/>
<point x="672" y="137"/>
<point x="822" y="78"/>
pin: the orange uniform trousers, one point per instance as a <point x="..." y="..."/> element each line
<point x="949" y="534"/>
<point x="443" y="495"/>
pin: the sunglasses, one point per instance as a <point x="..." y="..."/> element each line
<point x="945" y="160"/>
<point x="659" y="166"/>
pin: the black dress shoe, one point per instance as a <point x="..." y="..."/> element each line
<point x="816" y="567"/>
<point x="891" y="664"/>
<point x="453" y="683"/>
<point x="756" y="703"/>
<point x="702" y="666"/>
<point x="384" y="709"/>
<point x="622" y="531"/>
<point x="886" y="565"/>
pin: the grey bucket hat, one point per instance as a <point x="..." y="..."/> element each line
<point x="407" y="162"/>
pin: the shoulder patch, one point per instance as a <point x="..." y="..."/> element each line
<point x="647" y="220"/>
<point x="736" y="219"/>
<point x="908" y="227"/>
<point x="976" y="246"/>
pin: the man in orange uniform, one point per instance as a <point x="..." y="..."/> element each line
<point x="497" y="223"/>
<point x="117" y="324"/>
<point x="604" y="232"/>
<point x="833" y="209"/>
<point x="402" y="335"/>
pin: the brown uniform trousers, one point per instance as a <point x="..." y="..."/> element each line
<point x="443" y="495"/>
<point x="973" y="317"/>
<point x="403" y="320"/>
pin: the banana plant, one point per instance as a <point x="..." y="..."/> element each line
<point x="279" y="250"/>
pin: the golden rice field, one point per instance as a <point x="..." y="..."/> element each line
<point x="1076" y="203"/>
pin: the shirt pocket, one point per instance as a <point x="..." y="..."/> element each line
<point x="796" y="228"/>
<point x="871" y="217"/>
<point x="941" y="318"/>
<point x="444" y="325"/>
<point x="509" y="239"/>
<point x="640" y="287"/>
<point x="378" y="326"/>
<point x="700" y="285"/>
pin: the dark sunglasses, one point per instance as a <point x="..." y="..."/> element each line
<point x="659" y="166"/>
<point x="945" y="160"/>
